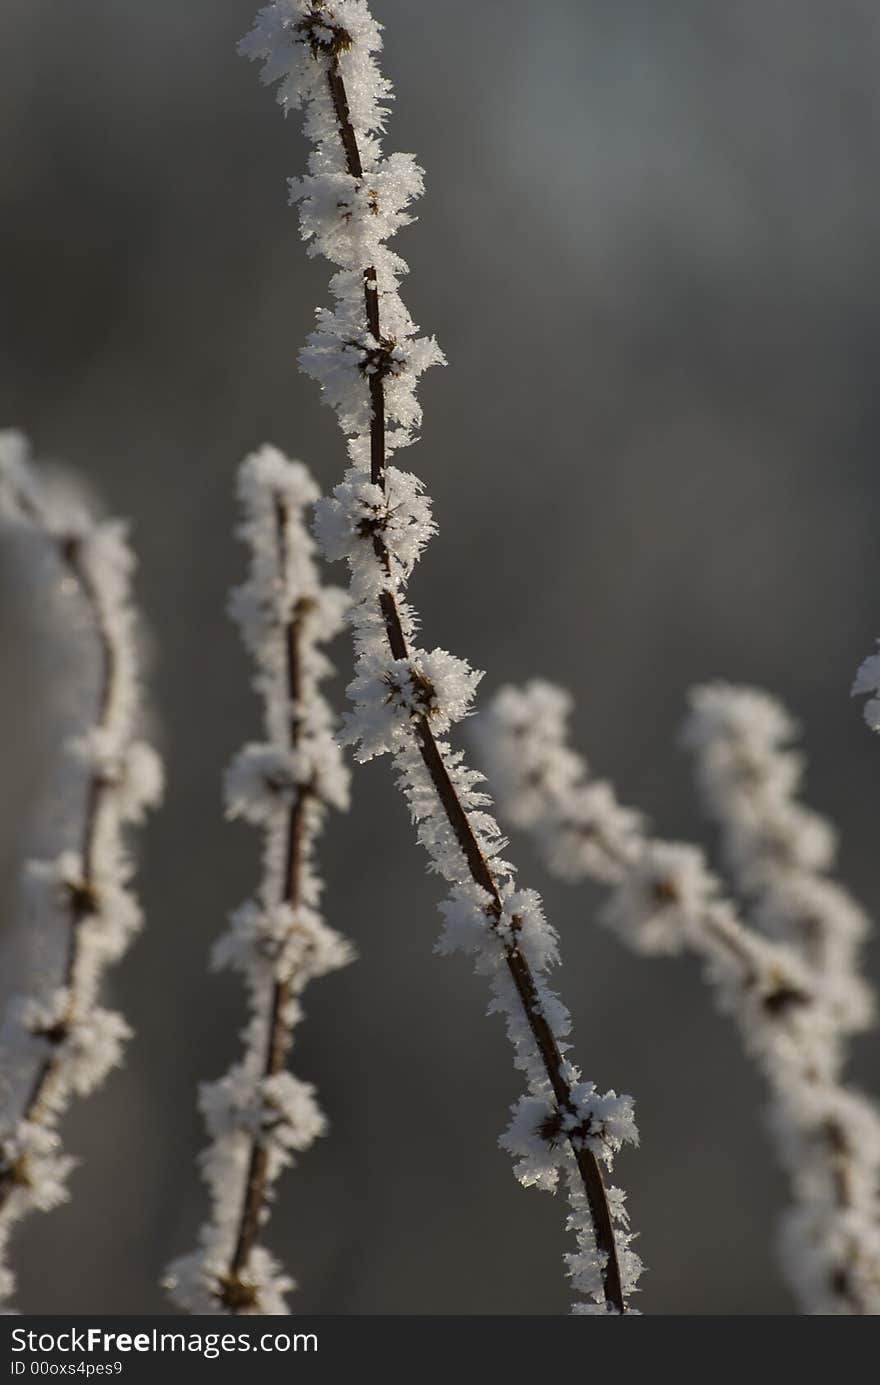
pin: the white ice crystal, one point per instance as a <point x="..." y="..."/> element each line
<point x="284" y="940"/>
<point x="261" y="1288"/>
<point x="399" y="513"/>
<point x="867" y="684"/>
<point x="33" y="1174"/>
<point x="134" y="770"/>
<point x="390" y="694"/>
<point x="661" y="897"/>
<point x="348" y="219"/>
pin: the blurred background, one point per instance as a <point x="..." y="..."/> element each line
<point x="650" y="250"/>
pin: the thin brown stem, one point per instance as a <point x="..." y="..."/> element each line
<point x="844" y="1282"/>
<point x="432" y="757"/>
<point x="235" y="1294"/>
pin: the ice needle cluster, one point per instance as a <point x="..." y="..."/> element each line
<point x="367" y="356"/>
<point x="789" y="979"/>
<point x="61" y="1042"/>
<point x="867" y="684"/>
<point x="259" y="1116"/>
<point x="778" y="852"/>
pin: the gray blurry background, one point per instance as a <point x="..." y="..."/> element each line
<point x="650" y="251"/>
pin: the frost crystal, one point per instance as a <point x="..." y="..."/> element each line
<point x="793" y="994"/>
<point x="777" y="850"/>
<point x="867" y="684"/>
<point x="367" y="356"/>
<point x="61" y="1043"/>
<point x="259" y="1115"/>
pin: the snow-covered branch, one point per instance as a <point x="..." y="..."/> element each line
<point x="62" y="1040"/>
<point x="259" y="1116"/>
<point x="367" y="357"/>
<point x="663" y="899"/>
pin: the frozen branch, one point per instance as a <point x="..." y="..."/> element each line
<point x="259" y="1115"/>
<point x="63" y="1038"/>
<point x="367" y="357"/>
<point x="778" y="852"/>
<point x="663" y="899"/>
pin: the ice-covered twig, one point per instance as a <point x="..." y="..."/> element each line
<point x="776" y="851"/>
<point x="259" y="1115"/>
<point x="367" y="358"/>
<point x="63" y="1039"/>
<point x="778" y="854"/>
<point x="663" y="899"/>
